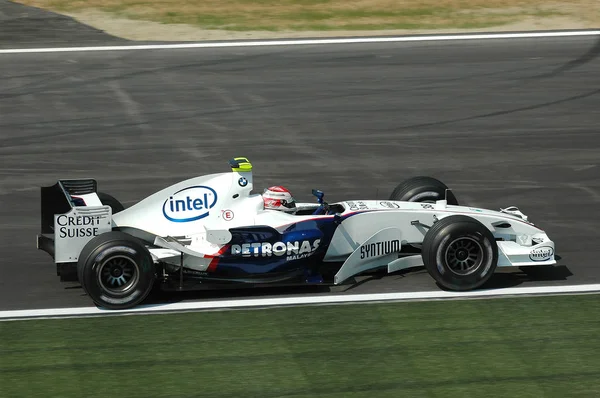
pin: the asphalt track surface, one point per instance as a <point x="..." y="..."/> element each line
<point x="503" y="122"/>
<point x="25" y="27"/>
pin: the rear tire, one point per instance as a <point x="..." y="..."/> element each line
<point x="460" y="253"/>
<point x="116" y="270"/>
<point x="422" y="189"/>
<point x="111" y="201"/>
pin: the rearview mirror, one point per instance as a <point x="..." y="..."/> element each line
<point x="318" y="194"/>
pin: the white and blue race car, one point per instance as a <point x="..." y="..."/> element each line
<point x="212" y="231"/>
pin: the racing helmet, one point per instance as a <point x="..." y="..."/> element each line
<point x="279" y="198"/>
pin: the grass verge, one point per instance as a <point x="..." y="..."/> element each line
<point x="516" y="347"/>
<point x="328" y="15"/>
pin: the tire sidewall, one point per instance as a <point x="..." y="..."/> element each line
<point x="106" y="199"/>
<point x="436" y="257"/>
<point x="423" y="189"/>
<point x="424" y="194"/>
<point x="129" y="249"/>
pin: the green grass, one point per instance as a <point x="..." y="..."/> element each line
<point x="427" y="18"/>
<point x="526" y="347"/>
<point x="327" y="15"/>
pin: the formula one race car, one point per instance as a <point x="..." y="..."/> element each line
<point x="212" y="231"/>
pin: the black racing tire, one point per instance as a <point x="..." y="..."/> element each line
<point x="116" y="270"/>
<point x="111" y="201"/>
<point x="422" y="189"/>
<point x="116" y="207"/>
<point x="460" y="253"/>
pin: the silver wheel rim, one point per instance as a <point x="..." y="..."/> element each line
<point x="464" y="255"/>
<point x="118" y="274"/>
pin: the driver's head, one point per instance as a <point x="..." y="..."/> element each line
<point x="279" y="198"/>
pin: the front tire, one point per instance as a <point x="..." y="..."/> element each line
<point x="460" y="253"/>
<point x="423" y="189"/>
<point x="116" y="270"/>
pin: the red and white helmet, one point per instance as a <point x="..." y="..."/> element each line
<point x="279" y="198"/>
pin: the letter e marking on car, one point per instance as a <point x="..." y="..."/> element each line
<point x="227" y="215"/>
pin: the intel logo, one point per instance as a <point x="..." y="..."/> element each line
<point x="190" y="204"/>
<point x="541" y="253"/>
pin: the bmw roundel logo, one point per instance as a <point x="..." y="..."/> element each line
<point x="243" y="181"/>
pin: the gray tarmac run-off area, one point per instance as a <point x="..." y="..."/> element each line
<point x="503" y="122"/>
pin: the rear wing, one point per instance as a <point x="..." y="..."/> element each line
<point x="62" y="197"/>
<point x="71" y="215"/>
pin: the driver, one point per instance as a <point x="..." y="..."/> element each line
<point x="279" y="198"/>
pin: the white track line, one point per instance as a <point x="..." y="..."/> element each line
<point x="295" y="301"/>
<point x="264" y="43"/>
